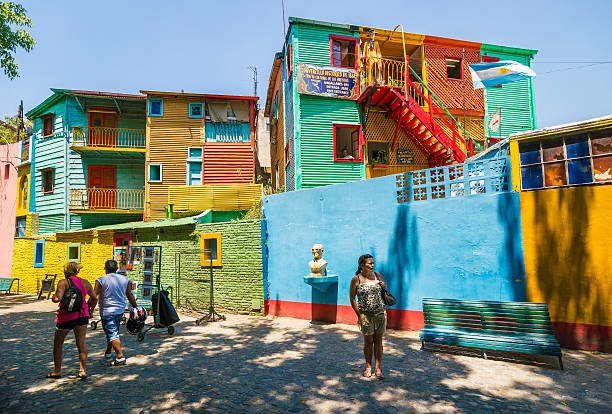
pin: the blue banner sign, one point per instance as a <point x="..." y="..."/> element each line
<point x="405" y="156"/>
<point x="327" y="81"/>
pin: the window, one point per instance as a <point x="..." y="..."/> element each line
<point x="155" y="173"/>
<point x="47" y="125"/>
<point x="564" y="161"/>
<point x="289" y="61"/>
<point x="454" y="69"/>
<point x="287" y="153"/>
<point x="23" y="192"/>
<point x="210" y="248"/>
<point x="7" y="171"/>
<point x="343" y="51"/>
<point x="48" y="176"/>
<point x="156" y="107"/>
<point x="39" y="253"/>
<point x="275" y="112"/>
<point x="347" y="146"/>
<point x="194" y="166"/>
<point x="489" y="59"/>
<point x="74" y="252"/>
<point x="196" y="110"/>
<point x="20" y="227"/>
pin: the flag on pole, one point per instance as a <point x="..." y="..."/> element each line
<point x="489" y="74"/>
<point x="495" y="121"/>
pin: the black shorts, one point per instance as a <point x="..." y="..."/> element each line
<point x="70" y="325"/>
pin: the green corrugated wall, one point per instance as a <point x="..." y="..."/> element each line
<point x="314" y="116"/>
<point x="516" y="99"/>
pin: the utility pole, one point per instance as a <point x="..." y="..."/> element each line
<point x="19" y="119"/>
<point x="254" y="69"/>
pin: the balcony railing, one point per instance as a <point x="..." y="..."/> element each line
<point x="106" y="199"/>
<point x="111" y="138"/>
<point x="389" y="72"/>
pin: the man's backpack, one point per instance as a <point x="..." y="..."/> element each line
<point x="73" y="298"/>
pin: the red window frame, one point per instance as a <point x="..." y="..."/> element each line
<point x="47" y="189"/>
<point x="47" y="129"/>
<point x="446" y="58"/>
<point x="289" y="61"/>
<point x="287" y="153"/>
<point x="343" y="39"/>
<point x="360" y="142"/>
<point x="489" y="59"/>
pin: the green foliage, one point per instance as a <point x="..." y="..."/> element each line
<point x="8" y="129"/>
<point x="12" y="14"/>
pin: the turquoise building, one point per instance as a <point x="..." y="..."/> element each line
<point x="87" y="159"/>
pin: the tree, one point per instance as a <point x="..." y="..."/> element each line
<point x="8" y="129"/>
<point x="11" y="40"/>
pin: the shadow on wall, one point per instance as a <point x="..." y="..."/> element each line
<point x="509" y="216"/>
<point x="567" y="264"/>
<point x="404" y="259"/>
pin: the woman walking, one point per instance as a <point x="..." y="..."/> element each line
<point x="367" y="285"/>
<point x="72" y="321"/>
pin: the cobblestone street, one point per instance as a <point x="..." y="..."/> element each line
<point x="258" y="364"/>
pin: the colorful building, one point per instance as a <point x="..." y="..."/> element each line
<point x="196" y="142"/>
<point x="9" y="159"/>
<point x="360" y="102"/>
<point x="564" y="175"/>
<point x="87" y="159"/>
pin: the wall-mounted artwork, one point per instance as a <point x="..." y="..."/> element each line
<point x="147" y="278"/>
<point x="148" y="252"/>
<point x="147" y="292"/>
<point x="135" y="255"/>
<point x="147" y="265"/>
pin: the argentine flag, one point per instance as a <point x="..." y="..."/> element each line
<point x="489" y="74"/>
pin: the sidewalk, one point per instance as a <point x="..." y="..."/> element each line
<point x="258" y="364"/>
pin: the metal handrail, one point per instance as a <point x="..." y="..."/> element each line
<point x="128" y="138"/>
<point x="474" y="142"/>
<point x="106" y="199"/>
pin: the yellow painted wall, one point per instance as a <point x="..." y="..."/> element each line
<point x="567" y="243"/>
<point x="96" y="248"/>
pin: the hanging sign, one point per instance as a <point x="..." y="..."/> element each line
<point x="327" y="81"/>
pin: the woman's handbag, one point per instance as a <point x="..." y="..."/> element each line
<point x="387" y="297"/>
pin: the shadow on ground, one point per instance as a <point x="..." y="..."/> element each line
<point x="254" y="364"/>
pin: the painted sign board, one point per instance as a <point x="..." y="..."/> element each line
<point x="328" y="81"/>
<point x="405" y="156"/>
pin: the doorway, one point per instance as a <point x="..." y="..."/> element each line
<point x="102" y="186"/>
<point x="102" y="129"/>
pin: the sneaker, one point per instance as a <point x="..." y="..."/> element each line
<point x="108" y="356"/>
<point x="119" y="361"/>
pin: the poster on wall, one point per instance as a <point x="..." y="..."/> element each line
<point x="405" y="156"/>
<point x="327" y="81"/>
<point x="135" y="255"/>
<point x="120" y="256"/>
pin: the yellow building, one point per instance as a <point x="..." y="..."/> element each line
<point x="564" y="174"/>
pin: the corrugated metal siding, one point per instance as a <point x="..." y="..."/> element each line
<point x="50" y="153"/>
<point x="50" y="224"/>
<point x="317" y="142"/>
<point x="218" y="197"/>
<point x="228" y="163"/>
<point x="514" y="99"/>
<point x="87" y="221"/>
<point x="313" y="154"/>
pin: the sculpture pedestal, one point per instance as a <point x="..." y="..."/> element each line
<point x="321" y="283"/>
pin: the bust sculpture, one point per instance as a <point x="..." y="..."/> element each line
<point x="318" y="265"/>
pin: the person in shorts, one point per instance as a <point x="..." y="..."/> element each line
<point x="72" y="321"/>
<point x="367" y="285"/>
<point x="112" y="290"/>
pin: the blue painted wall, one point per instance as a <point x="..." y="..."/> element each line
<point x="466" y="247"/>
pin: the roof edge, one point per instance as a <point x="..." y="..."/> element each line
<point x="299" y="20"/>
<point x="579" y="126"/>
<point x="204" y="95"/>
<point x="508" y="49"/>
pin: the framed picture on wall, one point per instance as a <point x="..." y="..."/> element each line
<point x="135" y="255"/>
<point x="147" y="278"/>
<point x="148" y="252"/>
<point x="147" y="265"/>
<point x="147" y="292"/>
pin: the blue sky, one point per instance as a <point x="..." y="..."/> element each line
<point x="207" y="46"/>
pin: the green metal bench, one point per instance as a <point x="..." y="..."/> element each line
<point x="505" y="326"/>
<point x="6" y="283"/>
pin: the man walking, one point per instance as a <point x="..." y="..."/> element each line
<point x="112" y="289"/>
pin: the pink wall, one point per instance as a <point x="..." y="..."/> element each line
<point x="9" y="155"/>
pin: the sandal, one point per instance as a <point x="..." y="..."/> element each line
<point x="379" y="374"/>
<point x="82" y="375"/>
<point x="367" y="372"/>
<point x="53" y="376"/>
